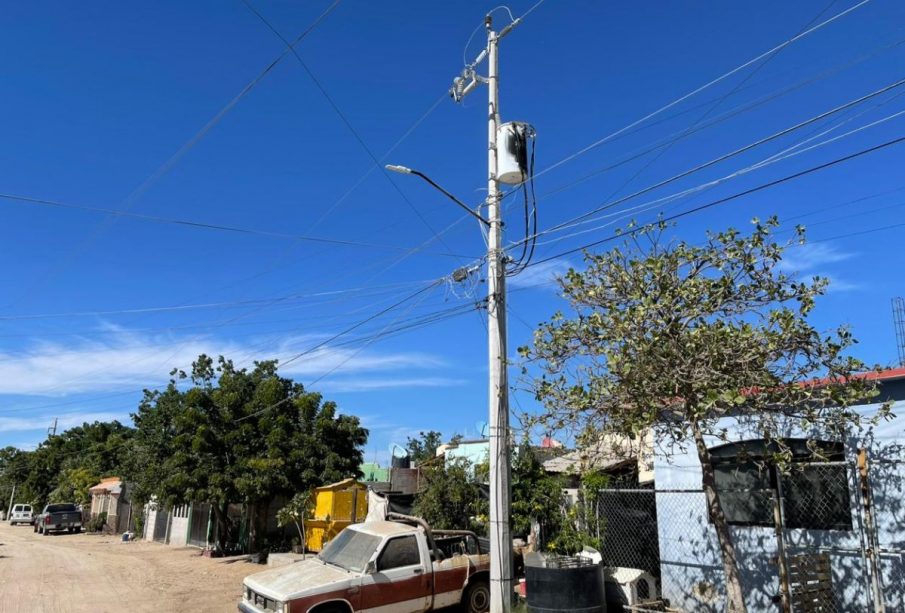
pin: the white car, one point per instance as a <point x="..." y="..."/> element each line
<point x="21" y="514"/>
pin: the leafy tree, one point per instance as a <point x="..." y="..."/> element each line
<point x="424" y="447"/>
<point x="450" y="498"/>
<point x="680" y="338"/>
<point x="536" y="497"/>
<point x="238" y="435"/>
<point x="14" y="467"/>
<point x="73" y="485"/>
<point x="99" y="448"/>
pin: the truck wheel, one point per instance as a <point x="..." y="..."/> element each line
<point x="78" y="529"/>
<point x="477" y="597"/>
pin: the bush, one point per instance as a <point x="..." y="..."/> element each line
<point x="97" y="523"/>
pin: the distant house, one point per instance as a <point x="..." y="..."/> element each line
<point x="111" y="496"/>
<point x="476" y="451"/>
<point x="372" y="472"/>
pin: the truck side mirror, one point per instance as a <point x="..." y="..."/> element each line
<point x="371" y="568"/>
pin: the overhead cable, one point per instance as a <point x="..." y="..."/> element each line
<point x="732" y="197"/>
<point x="698" y="90"/>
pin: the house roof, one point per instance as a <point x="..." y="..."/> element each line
<point x="111" y="485"/>
<point x="889" y="374"/>
<point x="577" y="461"/>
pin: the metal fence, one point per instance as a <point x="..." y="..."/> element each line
<point x="199" y="524"/>
<point x="822" y="537"/>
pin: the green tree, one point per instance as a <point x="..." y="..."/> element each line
<point x="450" y="498"/>
<point x="99" y="448"/>
<point x="679" y="338"/>
<point x="73" y="485"/>
<point x="536" y="497"/>
<point x="238" y="435"/>
<point x="424" y="447"/>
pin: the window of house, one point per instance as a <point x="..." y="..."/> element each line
<point x="815" y="495"/>
<point x="399" y="552"/>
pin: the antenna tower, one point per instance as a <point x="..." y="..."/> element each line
<point x="898" y="316"/>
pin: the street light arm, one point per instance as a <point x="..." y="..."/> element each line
<point x="451" y="197"/>
<point x="408" y="171"/>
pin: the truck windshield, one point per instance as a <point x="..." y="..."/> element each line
<point x="351" y="550"/>
<point x="60" y="508"/>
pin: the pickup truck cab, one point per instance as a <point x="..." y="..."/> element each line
<point x="21" y="514"/>
<point x="61" y="517"/>
<point x="378" y="566"/>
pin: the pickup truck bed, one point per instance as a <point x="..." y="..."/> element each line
<point x="63" y="517"/>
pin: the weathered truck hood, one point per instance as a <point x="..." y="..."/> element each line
<point x="305" y="578"/>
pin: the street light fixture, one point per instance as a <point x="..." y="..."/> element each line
<point x="404" y="170"/>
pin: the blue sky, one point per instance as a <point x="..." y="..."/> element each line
<point x="105" y="105"/>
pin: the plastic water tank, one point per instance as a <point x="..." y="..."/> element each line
<point x="564" y="584"/>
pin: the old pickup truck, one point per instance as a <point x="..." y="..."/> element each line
<point x="62" y="517"/>
<point x="401" y="566"/>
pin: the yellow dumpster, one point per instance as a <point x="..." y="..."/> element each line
<point x="335" y="506"/>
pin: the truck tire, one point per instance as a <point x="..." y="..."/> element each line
<point x="78" y="529"/>
<point x="477" y="597"/>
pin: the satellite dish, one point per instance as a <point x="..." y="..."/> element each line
<point x="398" y="451"/>
<point x="481" y="428"/>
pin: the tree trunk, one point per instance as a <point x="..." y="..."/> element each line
<point x="734" y="594"/>
<point x="222" y="525"/>
<point x="258" y="525"/>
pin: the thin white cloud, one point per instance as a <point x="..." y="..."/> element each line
<point x="368" y="385"/>
<point x="837" y="284"/>
<point x="808" y="260"/>
<point x="128" y="359"/>
<point x="64" y="422"/>
<point x="541" y="275"/>
<point x="809" y="256"/>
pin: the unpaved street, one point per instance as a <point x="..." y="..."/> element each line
<point x="80" y="572"/>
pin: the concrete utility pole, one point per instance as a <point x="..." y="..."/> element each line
<point x="9" y="512"/>
<point x="500" y="457"/>
<point x="500" y="490"/>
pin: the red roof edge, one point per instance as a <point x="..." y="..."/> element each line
<point x="889" y="374"/>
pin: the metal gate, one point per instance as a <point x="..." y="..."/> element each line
<point x="199" y="523"/>
<point x="161" y="522"/>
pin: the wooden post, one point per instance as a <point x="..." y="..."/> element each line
<point x="873" y="547"/>
<point x="781" y="563"/>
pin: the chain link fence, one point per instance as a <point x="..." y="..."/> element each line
<point x="820" y="537"/>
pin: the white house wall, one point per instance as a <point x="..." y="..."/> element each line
<point x="691" y="572"/>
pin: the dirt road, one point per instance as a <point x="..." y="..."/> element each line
<point x="81" y="572"/>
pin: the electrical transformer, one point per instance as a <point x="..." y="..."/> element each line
<point x="512" y="152"/>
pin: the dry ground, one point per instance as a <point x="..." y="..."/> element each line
<point x="81" y="572"/>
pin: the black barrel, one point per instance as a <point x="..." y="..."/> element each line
<point x="565" y="587"/>
<point x="403" y="462"/>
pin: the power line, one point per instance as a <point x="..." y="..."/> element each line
<point x="208" y="305"/>
<point x="735" y="196"/>
<point x="712" y="108"/>
<point x="346" y="121"/>
<point x="736" y="111"/>
<point x="722" y="158"/>
<point x="133" y="197"/>
<point x="698" y="90"/>
<point x="787" y="153"/>
<point x="200" y="224"/>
